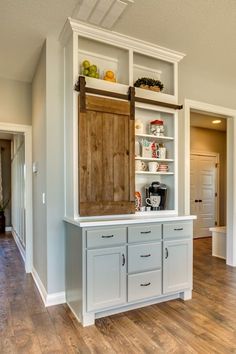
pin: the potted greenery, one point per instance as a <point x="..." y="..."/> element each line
<point x="149" y="84"/>
<point x="3" y="205"/>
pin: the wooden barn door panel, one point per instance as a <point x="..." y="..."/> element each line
<point x="106" y="157"/>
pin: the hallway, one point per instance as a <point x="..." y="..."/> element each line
<point x="206" y="324"/>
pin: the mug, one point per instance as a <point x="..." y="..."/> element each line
<point x="140" y="165"/>
<point x="162" y="153"/>
<point x="153" y="166"/>
<point x="153" y="201"/>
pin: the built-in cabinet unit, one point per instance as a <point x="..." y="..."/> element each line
<point x="129" y="59"/>
<point x="127" y="266"/>
<point x="121" y="262"/>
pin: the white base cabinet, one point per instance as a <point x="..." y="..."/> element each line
<point x="106" y="277"/>
<point x="176" y="265"/>
<point x="120" y="268"/>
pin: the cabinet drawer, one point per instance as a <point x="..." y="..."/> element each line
<point x="144" y="233"/>
<point x="106" y="237"/>
<point x="182" y="229"/>
<point x="144" y="285"/>
<point x="144" y="257"/>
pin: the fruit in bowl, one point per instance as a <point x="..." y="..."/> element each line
<point x="90" y="70"/>
<point x="109" y="76"/>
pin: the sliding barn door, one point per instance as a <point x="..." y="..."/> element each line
<point x="106" y="157"/>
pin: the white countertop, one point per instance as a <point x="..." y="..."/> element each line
<point x="127" y="219"/>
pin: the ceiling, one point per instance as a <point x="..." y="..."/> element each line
<point x="204" y="29"/>
<point x="205" y="121"/>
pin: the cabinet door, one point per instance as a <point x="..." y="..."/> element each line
<point x="106" y="157"/>
<point x="177" y="265"/>
<point x="106" y="277"/>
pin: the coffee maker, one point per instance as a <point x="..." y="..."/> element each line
<point x="156" y="195"/>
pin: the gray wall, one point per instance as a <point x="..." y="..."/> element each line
<point x="48" y="130"/>
<point x="39" y="179"/>
<point x="6" y="176"/>
<point x="15" y="101"/>
<point x="55" y="166"/>
<point x="197" y="85"/>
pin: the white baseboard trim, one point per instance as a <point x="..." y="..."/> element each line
<point x="48" y="299"/>
<point x="18" y="243"/>
<point x="8" y="228"/>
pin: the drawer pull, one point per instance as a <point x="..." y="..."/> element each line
<point x="145" y="232"/>
<point x="108" y="236"/>
<point x="123" y="259"/>
<point x="167" y="253"/>
<point x="145" y="255"/>
<point x="179" y="229"/>
<point x="146" y="284"/>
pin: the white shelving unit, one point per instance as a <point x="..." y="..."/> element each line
<point x="129" y="59"/>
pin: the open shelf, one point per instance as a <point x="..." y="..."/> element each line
<point x="153" y="173"/>
<point x="154" y="68"/>
<point x="154" y="137"/>
<point x="105" y="57"/>
<point x="153" y="159"/>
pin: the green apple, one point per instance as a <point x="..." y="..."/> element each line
<point x="86" y="64"/>
<point x="85" y="72"/>
<point x="93" y="69"/>
<point x="92" y="74"/>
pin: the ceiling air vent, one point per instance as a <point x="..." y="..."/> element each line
<point x="103" y="13"/>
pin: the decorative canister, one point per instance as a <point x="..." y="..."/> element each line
<point x="157" y="127"/>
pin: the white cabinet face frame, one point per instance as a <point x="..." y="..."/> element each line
<point x="230" y="115"/>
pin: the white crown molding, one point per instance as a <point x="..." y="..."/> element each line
<point x="118" y="40"/>
<point x="48" y="299"/>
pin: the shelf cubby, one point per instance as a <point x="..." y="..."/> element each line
<point x="105" y="57"/>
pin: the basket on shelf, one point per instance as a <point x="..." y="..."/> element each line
<point x="149" y="84"/>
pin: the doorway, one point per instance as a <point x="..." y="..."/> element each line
<point x="22" y="218"/>
<point x="230" y="116"/>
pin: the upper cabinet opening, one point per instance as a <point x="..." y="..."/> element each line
<point x="154" y="68"/>
<point x="103" y="61"/>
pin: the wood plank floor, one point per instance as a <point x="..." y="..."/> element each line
<point x="205" y="324"/>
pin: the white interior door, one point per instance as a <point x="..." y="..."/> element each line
<point x="203" y="193"/>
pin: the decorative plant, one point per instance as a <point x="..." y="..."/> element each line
<point x="3" y="204"/>
<point x="147" y="82"/>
